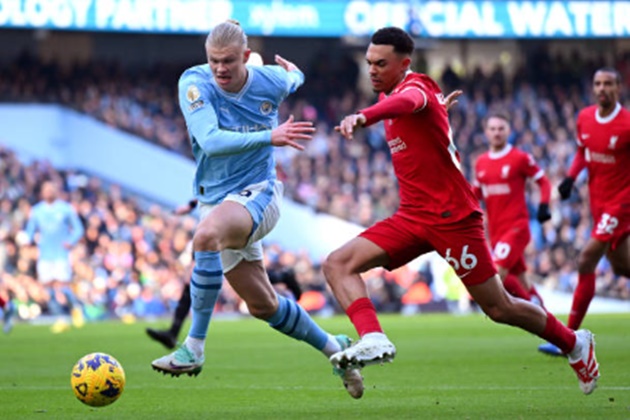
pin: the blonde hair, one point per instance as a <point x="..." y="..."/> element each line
<point x="227" y="33"/>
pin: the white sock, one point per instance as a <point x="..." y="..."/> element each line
<point x="196" y="345"/>
<point x="332" y="346"/>
<point x="375" y="336"/>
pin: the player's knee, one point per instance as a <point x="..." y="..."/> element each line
<point x="334" y="265"/>
<point x="586" y="262"/>
<point x="206" y="239"/>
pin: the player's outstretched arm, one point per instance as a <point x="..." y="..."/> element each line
<point x="287" y="133"/>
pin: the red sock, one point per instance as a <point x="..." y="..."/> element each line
<point x="362" y="314"/>
<point x="582" y="297"/>
<point x="534" y="295"/>
<point x="558" y="334"/>
<point x="514" y="287"/>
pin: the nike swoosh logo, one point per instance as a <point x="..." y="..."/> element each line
<point x="171" y="365"/>
<point x="465" y="274"/>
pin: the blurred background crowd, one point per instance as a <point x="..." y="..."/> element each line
<point x="133" y="257"/>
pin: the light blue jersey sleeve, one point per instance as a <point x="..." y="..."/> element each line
<point x="196" y="103"/>
<point x="286" y="81"/>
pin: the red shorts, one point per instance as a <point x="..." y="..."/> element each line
<point x="509" y="249"/>
<point x="611" y="223"/>
<point x="462" y="244"/>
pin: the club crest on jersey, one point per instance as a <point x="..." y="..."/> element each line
<point x="505" y="171"/>
<point x="266" y="107"/>
<point x="613" y="142"/>
<point x="440" y="98"/>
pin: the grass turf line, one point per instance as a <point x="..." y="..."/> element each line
<point x="447" y="368"/>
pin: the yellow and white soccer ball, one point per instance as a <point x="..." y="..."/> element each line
<point x="97" y="379"/>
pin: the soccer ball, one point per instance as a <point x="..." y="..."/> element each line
<point x="97" y="379"/>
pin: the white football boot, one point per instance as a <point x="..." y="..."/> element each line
<point x="181" y="361"/>
<point x="371" y="349"/>
<point x="352" y="378"/>
<point x="582" y="360"/>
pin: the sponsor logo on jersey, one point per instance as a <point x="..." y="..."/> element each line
<point x="247" y="128"/>
<point x="599" y="157"/>
<point x="266" y="107"/>
<point x="495" y="189"/>
<point x="396" y="145"/>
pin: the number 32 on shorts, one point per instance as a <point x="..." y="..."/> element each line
<point x="607" y="224"/>
<point x="466" y="260"/>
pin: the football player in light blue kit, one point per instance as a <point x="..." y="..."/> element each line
<point x="231" y="111"/>
<point x="59" y="230"/>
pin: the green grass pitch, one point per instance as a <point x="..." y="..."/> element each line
<point x="447" y="368"/>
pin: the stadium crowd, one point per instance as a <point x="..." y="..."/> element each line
<point x="132" y="259"/>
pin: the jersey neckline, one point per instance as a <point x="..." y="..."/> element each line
<point x="606" y="120"/>
<point x="501" y="153"/>
<point x="236" y="95"/>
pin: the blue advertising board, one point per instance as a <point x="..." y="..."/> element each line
<point x="332" y="18"/>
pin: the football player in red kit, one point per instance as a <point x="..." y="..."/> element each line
<point x="603" y="138"/>
<point x="501" y="175"/>
<point x="438" y="211"/>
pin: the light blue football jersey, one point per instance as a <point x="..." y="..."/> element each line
<point x="231" y="132"/>
<point x="57" y="223"/>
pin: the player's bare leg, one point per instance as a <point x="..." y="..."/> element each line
<point x="494" y="300"/>
<point x="620" y="258"/>
<point x="505" y="309"/>
<point x="342" y="270"/>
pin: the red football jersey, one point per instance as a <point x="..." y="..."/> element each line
<point x="606" y="147"/>
<point x="425" y="159"/>
<point x="502" y="177"/>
